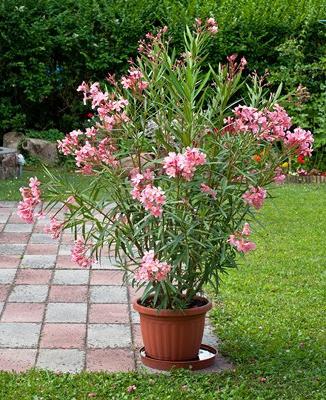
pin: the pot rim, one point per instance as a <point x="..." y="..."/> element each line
<point x="173" y="313"/>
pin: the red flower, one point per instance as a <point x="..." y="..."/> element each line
<point x="256" y="158"/>
<point x="301" y="159"/>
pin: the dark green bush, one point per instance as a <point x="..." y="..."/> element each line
<point x="47" y="47"/>
<point x="51" y="135"/>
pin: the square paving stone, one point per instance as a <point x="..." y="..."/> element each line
<point x="106" y="263"/>
<point x="108" y="335"/>
<point x="4" y="291"/>
<point x="7" y="275"/>
<point x="68" y="294"/>
<point x="9" y="261"/>
<point x="38" y="261"/>
<point x="18" y="228"/>
<point x="11" y="249"/>
<point x="29" y="294"/>
<point x="109" y="313"/>
<point x="63" y="336"/>
<point x="19" y="335"/>
<point x="61" y="360"/>
<point x="14" y="238"/>
<point x="110" y="360"/>
<point x="23" y="312"/>
<point x="64" y="250"/>
<point x="66" y="312"/>
<point x="17" y="360"/>
<point x="65" y="262"/>
<point x="41" y="249"/>
<point x="106" y="277"/>
<point x="1" y="306"/>
<point x="108" y="294"/>
<point x="33" y="276"/>
<point x="4" y="218"/>
<point x="42" y="238"/>
<point x="71" y="277"/>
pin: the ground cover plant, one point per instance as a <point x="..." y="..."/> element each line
<point x="268" y="316"/>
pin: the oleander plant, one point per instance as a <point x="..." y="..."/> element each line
<point x="179" y="163"/>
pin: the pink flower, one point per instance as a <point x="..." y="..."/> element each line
<point x="184" y="165"/>
<point x="79" y="254"/>
<point x="134" y="80"/>
<point x="211" y="26"/>
<point x="246" y="229"/>
<point x="140" y="181"/>
<point x="54" y="229"/>
<point x="237" y="240"/>
<point x="255" y="197"/>
<point x="301" y="140"/>
<point x="151" y="269"/>
<point x="70" y="143"/>
<point x="279" y="177"/>
<point x="207" y="189"/>
<point x="31" y="198"/>
<point x="153" y="199"/>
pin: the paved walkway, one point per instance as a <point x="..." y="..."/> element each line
<point x="56" y="316"/>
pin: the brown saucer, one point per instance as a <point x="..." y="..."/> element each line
<point x="206" y="358"/>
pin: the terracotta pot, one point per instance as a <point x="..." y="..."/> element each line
<point x="173" y="335"/>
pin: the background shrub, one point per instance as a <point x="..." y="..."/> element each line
<point x="47" y="47"/>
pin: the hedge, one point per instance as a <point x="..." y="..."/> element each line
<point x="47" y="47"/>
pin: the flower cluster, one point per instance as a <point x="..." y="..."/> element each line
<point x="239" y="242"/>
<point x="255" y="197"/>
<point x="151" y="269"/>
<point x="31" y="198"/>
<point x="151" y="197"/>
<point x="55" y="228"/>
<point x="134" y="80"/>
<point x="79" y="254"/>
<point x="211" y="26"/>
<point x="270" y="126"/>
<point x="184" y="165"/>
<point x="301" y="140"/>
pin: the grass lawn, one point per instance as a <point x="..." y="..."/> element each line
<point x="269" y="317"/>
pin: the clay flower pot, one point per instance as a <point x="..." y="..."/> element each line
<point x="173" y="335"/>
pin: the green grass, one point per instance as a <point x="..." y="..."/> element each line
<point x="269" y="317"/>
<point x="9" y="188"/>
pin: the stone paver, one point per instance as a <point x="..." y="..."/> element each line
<point x="57" y="316"/>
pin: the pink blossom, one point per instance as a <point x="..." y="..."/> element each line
<point x="151" y="269"/>
<point x="31" y="198"/>
<point x="79" y="254"/>
<point x="212" y="26"/>
<point x="255" y="197"/>
<point x="237" y="240"/>
<point x="153" y="199"/>
<point x="70" y="143"/>
<point x="54" y="228"/>
<point x="184" y="165"/>
<point x="134" y="80"/>
<point x="140" y="181"/>
<point x="301" y="140"/>
<point x="279" y="177"/>
<point x="207" y="189"/>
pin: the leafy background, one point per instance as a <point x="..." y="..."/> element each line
<point x="47" y="47"/>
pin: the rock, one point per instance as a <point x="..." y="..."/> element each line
<point x="128" y="163"/>
<point x="43" y="149"/>
<point x="12" y="140"/>
<point x="8" y="163"/>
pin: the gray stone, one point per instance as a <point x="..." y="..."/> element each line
<point x="12" y="139"/>
<point x="38" y="261"/>
<point x="42" y="238"/>
<point x="108" y="294"/>
<point x="43" y="149"/>
<point x="66" y="312"/>
<point x="18" y="228"/>
<point x="8" y="163"/>
<point x="11" y="249"/>
<point x="61" y="360"/>
<point x="71" y="277"/>
<point x="7" y="276"/>
<point x="29" y="293"/>
<point x="19" y="335"/>
<point x="101" y="336"/>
